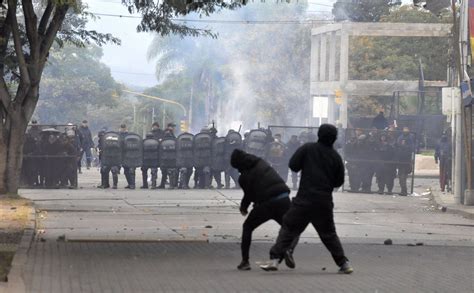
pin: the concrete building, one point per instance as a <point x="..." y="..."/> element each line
<point x="332" y="87"/>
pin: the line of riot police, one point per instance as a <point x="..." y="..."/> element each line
<point x="50" y="157"/>
<point x="382" y="154"/>
<point x="205" y="152"/>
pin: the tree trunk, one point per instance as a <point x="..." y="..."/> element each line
<point x="11" y="153"/>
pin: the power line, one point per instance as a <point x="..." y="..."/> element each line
<point x="133" y="73"/>
<point x="321" y="4"/>
<point x="293" y="21"/>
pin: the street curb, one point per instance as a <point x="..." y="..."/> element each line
<point x="449" y="208"/>
<point x="15" y="279"/>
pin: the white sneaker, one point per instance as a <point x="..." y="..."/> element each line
<point x="270" y="266"/>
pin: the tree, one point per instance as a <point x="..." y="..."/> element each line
<point x="28" y="29"/>
<point x="73" y="82"/>
<point x="190" y="72"/>
<point x="362" y="10"/>
<point x="397" y="58"/>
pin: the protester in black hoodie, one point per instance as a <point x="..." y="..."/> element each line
<point x="269" y="194"/>
<point x="322" y="170"/>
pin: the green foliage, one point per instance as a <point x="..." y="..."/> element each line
<point x="397" y="58"/>
<point x="73" y="82"/>
<point x="157" y="15"/>
<point x="362" y="10"/>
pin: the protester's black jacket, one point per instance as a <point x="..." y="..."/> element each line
<point x="322" y="171"/>
<point x="259" y="181"/>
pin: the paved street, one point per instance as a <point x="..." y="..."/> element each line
<point x="203" y="267"/>
<point x="199" y="231"/>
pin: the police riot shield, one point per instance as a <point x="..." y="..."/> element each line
<point x="256" y="143"/>
<point x="184" y="150"/>
<point x="132" y="151"/>
<point x="379" y="161"/>
<point x="168" y="153"/>
<point x="150" y="153"/>
<point x="202" y="150"/>
<point x="295" y="136"/>
<point x="218" y="154"/>
<point x="112" y="149"/>
<point x="233" y="141"/>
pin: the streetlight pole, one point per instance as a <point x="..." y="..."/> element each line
<point x="159" y="99"/>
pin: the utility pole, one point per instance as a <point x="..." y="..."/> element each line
<point x="458" y="105"/>
<point x="466" y="112"/>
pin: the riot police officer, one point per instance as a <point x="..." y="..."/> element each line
<point x="156" y="131"/>
<point x="168" y="134"/>
<point x="150" y="160"/>
<point x="403" y="155"/>
<point x="233" y="141"/>
<point x="132" y="157"/>
<point x="184" y="159"/>
<point x="218" y="159"/>
<point x="202" y="159"/>
<point x="386" y="170"/>
<point x="111" y="158"/>
<point x="167" y="155"/>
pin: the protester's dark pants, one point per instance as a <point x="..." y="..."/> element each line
<point x="270" y="210"/>
<point x="296" y="220"/>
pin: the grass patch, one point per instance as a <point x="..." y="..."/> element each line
<point x="5" y="264"/>
<point x="14" y="214"/>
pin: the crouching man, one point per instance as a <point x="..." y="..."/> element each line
<point x="269" y="194"/>
<point x="322" y="170"/>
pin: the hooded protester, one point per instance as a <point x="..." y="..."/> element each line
<point x="322" y="170"/>
<point x="269" y="194"/>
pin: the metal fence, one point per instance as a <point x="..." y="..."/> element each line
<point x="50" y="157"/>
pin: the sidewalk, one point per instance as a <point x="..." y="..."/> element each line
<point x="445" y="201"/>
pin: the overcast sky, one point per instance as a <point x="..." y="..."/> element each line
<point x="128" y="62"/>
